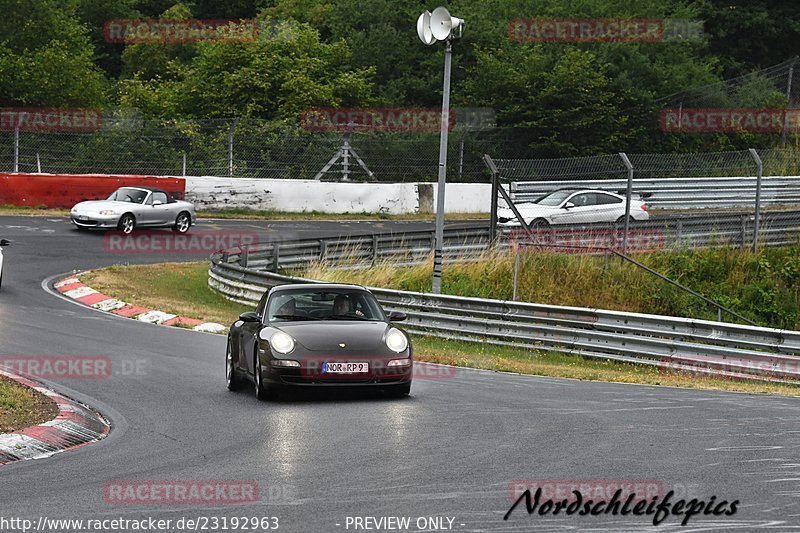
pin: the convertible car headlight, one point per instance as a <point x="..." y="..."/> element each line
<point x="396" y="340"/>
<point x="281" y="342"/>
<point x="107" y="212"/>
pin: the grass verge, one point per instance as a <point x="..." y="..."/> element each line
<point x="182" y="288"/>
<point x="21" y="407"/>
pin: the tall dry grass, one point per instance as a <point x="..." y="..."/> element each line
<point x="763" y="287"/>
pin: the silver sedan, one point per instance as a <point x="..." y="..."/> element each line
<point x="134" y="207"/>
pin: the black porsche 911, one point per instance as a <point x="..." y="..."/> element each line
<point x="318" y="335"/>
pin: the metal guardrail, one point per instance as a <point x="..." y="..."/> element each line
<point x="680" y="193"/>
<point x="777" y="228"/>
<point x="700" y="346"/>
<point x="408" y="248"/>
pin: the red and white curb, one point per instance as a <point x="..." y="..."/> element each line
<point x="75" y="425"/>
<point x="72" y="288"/>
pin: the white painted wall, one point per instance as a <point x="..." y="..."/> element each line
<point x="465" y="197"/>
<point x="208" y="192"/>
<point x="302" y="195"/>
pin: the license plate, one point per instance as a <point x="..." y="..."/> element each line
<point x="345" y="368"/>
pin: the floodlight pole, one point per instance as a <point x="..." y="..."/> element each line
<point x="439" y="237"/>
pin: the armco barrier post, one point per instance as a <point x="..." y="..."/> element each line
<point x="230" y="146"/>
<point x="493" y="207"/>
<point x="757" y="220"/>
<point x="629" y="166"/>
<point x="16" y="148"/>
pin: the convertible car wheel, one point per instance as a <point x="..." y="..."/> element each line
<point x="231" y="378"/>
<point x="182" y="223"/>
<point x="127" y="224"/>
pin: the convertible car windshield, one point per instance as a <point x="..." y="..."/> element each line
<point x="126" y="194"/>
<point x="324" y="304"/>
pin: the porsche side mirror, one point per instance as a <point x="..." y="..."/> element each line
<point x="569" y="205"/>
<point x="397" y="316"/>
<point x="5" y="242"/>
<point x="249" y="316"/>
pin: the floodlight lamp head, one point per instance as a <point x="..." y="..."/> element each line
<point x="424" y="28"/>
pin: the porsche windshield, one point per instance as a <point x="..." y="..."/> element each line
<point x="126" y="194"/>
<point x="324" y="304"/>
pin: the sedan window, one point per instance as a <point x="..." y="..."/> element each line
<point x="603" y="198"/>
<point x="553" y="199"/>
<point x="583" y="199"/>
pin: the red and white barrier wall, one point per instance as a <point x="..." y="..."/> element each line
<point x="66" y="190"/>
<point x="209" y="192"/>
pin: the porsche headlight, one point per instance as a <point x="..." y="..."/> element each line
<point x="281" y="342"/>
<point x="107" y="212"/>
<point x="396" y="340"/>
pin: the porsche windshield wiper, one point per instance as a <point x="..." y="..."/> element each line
<point x="348" y="317"/>
<point x="296" y="317"/>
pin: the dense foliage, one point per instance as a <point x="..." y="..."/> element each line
<point x="561" y="98"/>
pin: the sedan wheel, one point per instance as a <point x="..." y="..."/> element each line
<point x="539" y="224"/>
<point x="127" y="224"/>
<point x="182" y="223"/>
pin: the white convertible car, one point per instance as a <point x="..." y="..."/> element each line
<point x="134" y="207"/>
<point x="573" y="206"/>
<point x="3" y="242"/>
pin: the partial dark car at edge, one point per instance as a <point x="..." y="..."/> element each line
<point x="318" y="335"/>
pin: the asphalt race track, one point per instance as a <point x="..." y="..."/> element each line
<point x="450" y="450"/>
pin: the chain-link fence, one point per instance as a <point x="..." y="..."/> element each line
<point x="707" y="211"/>
<point x="256" y="149"/>
<point x="645" y="201"/>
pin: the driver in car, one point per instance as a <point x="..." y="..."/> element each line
<point x="289" y="307"/>
<point x="343" y="305"/>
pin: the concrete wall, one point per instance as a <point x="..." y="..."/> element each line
<point x="309" y="195"/>
<point x="466" y="197"/>
<point x="209" y="192"/>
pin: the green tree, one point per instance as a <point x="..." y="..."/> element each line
<point x="272" y="78"/>
<point x="46" y="57"/>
